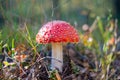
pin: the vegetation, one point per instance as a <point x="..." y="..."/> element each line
<point x="95" y="57"/>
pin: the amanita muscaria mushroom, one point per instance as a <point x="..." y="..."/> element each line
<point x="57" y="32"/>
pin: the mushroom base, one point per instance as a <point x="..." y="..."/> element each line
<point x="57" y="55"/>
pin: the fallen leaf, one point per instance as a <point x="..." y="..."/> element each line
<point x="21" y="57"/>
<point x="7" y="63"/>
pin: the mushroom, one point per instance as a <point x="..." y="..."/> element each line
<point x="57" y="32"/>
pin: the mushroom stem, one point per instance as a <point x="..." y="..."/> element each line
<point x="57" y="53"/>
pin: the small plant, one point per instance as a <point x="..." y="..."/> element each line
<point x="54" y="75"/>
<point x="103" y="43"/>
<point x="30" y="40"/>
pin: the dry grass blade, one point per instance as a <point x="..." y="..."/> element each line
<point x="58" y="76"/>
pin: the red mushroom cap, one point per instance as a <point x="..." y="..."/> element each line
<point x="57" y="31"/>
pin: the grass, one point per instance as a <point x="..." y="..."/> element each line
<point x="103" y="43"/>
<point x="103" y="47"/>
<point x="17" y="39"/>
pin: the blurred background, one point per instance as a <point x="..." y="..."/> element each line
<point x="37" y="12"/>
<point x="16" y="14"/>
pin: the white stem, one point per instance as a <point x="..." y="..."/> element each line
<point x="57" y="53"/>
